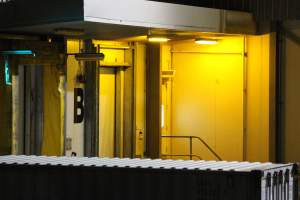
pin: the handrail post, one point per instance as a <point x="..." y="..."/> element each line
<point x="191" y="148"/>
<point x="208" y="147"/>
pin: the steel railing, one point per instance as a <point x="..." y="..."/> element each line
<point x="191" y="155"/>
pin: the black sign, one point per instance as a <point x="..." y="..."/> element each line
<point x="78" y="105"/>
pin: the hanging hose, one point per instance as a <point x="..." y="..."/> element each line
<point x="62" y="92"/>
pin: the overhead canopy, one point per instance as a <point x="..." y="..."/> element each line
<point x="112" y="19"/>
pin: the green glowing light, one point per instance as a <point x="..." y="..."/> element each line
<point x="7" y="73"/>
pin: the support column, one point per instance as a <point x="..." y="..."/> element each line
<point x="153" y="101"/>
<point x="18" y="110"/>
<point x="91" y="104"/>
<point x="128" y="147"/>
<point x="119" y="146"/>
<point x="34" y="112"/>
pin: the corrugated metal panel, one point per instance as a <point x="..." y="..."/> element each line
<point x="69" y="178"/>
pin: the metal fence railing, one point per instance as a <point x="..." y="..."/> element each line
<point x="191" y="154"/>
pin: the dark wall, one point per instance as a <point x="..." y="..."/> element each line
<point x="5" y="112"/>
<point x="242" y="5"/>
<point x="31" y="12"/>
<point x="290" y="147"/>
<point x="262" y="9"/>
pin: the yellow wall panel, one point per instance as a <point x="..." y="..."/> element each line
<point x="207" y="97"/>
<point x="166" y="98"/>
<point x="107" y="112"/>
<point x="114" y="52"/>
<point x="140" y="97"/>
<point x="51" y="143"/>
<point x="257" y="124"/>
<point x="113" y="55"/>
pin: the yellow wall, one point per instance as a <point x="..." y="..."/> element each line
<point x="224" y="97"/>
<point x="107" y="109"/>
<point x="113" y="52"/>
<point x="51" y="143"/>
<point x="258" y="88"/>
<point x="140" y="97"/>
<point x="166" y="99"/>
<point x="207" y="97"/>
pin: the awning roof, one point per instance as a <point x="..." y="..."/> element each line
<point x="111" y="19"/>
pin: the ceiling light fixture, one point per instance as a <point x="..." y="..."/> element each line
<point x="157" y="39"/>
<point x="69" y="32"/>
<point x="206" y="41"/>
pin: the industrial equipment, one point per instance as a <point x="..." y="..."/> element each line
<point x="70" y="178"/>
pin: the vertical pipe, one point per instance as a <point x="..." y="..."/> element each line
<point x="245" y="100"/>
<point x="119" y="113"/>
<point x="62" y="92"/>
<point x="27" y="110"/>
<point x="280" y="79"/>
<point x="38" y="109"/>
<point x="15" y="114"/>
<point x="21" y="125"/>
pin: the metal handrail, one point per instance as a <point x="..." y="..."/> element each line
<point x="182" y="155"/>
<point x="191" y="144"/>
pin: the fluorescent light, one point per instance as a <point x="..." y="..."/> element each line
<point x="162" y="116"/>
<point x="158" y="39"/>
<point x="206" y="41"/>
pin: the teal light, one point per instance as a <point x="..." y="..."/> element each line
<point x="17" y="52"/>
<point x="8" y="53"/>
<point x="7" y="73"/>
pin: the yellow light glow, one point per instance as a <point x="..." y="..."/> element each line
<point x="206" y="41"/>
<point x="158" y="39"/>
